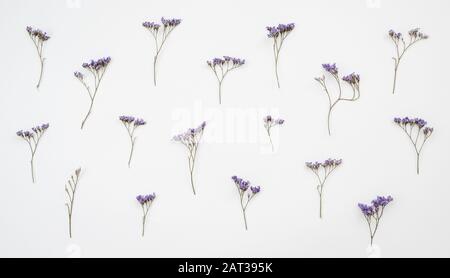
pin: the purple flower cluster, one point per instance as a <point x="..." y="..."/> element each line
<point x="328" y="166"/>
<point x="131" y="123"/>
<point x="97" y="65"/>
<point x="373" y="213"/>
<point x="222" y="66"/>
<point x="420" y="123"/>
<point x="270" y="122"/>
<point x="160" y="37"/>
<point x="38" y="37"/>
<point x="170" y="22"/>
<point x="244" y="185"/>
<point x="414" y="128"/>
<point x="416" y="34"/>
<point x="377" y="205"/>
<point x="226" y="60"/>
<point x="151" y="25"/>
<point x="331" y="68"/>
<point x="327" y="163"/>
<point x="245" y="194"/>
<point x="132" y="120"/>
<point x="281" y="29"/>
<point x="394" y="35"/>
<point x="33" y="138"/>
<point x="352" y="79"/>
<point x="78" y="75"/>
<point x="97" y="68"/>
<point x="35" y="133"/>
<point x="191" y="140"/>
<point x="401" y="46"/>
<point x="278" y="34"/>
<point x="144" y="199"/>
<point x="38" y="34"/>
<point x="191" y="136"/>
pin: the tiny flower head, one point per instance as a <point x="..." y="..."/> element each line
<point x="255" y="189"/>
<point x="331" y="68"/>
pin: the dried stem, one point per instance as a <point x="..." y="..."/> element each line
<point x="415" y="142"/>
<point x="98" y="75"/>
<point x="332" y="103"/>
<point x="145" y="209"/>
<point x="71" y="188"/>
<point x="164" y="35"/>
<point x="400" y="49"/>
<point x="39" y="44"/>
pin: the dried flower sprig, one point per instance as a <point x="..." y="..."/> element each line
<point x="322" y="170"/>
<point x="33" y="138"/>
<point x="145" y="201"/>
<point x="38" y="37"/>
<point x="221" y="67"/>
<point x="246" y="194"/>
<point x="71" y="189"/>
<point x="351" y="79"/>
<point x="97" y="69"/>
<point x="191" y="139"/>
<point x="131" y="123"/>
<point x="160" y="36"/>
<point x="373" y="213"/>
<point x="418" y="133"/>
<point x="401" y="47"/>
<point x="279" y="34"/>
<point x="270" y="122"/>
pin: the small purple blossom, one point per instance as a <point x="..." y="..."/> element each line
<point x="322" y="171"/>
<point x="278" y="34"/>
<point x="373" y="213"/>
<point x="352" y="79"/>
<point x="131" y="123"/>
<point x="331" y="68"/>
<point x="245" y="194"/>
<point x="417" y="131"/>
<point x="191" y="140"/>
<point x="145" y="201"/>
<point x="221" y="67"/>
<point x="97" y="68"/>
<point x="270" y="122"/>
<point x="160" y="36"/>
<point x="33" y="138"/>
<point x="38" y="37"/>
<point x="401" y="46"/>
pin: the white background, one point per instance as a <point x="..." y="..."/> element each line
<point x="283" y="219"/>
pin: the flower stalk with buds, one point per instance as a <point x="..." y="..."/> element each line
<point x="38" y="37"/>
<point x="373" y="213"/>
<point x="191" y="140"/>
<point x="269" y="122"/>
<point x="322" y="170"/>
<point x="71" y="189"/>
<point x="145" y="201"/>
<point x="417" y="132"/>
<point x="351" y="79"/>
<point x="401" y="46"/>
<point x="221" y="67"/>
<point x="246" y="194"/>
<point x="131" y="123"/>
<point x="160" y="33"/>
<point x="279" y="34"/>
<point x="97" y="69"/>
<point x="33" y="138"/>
